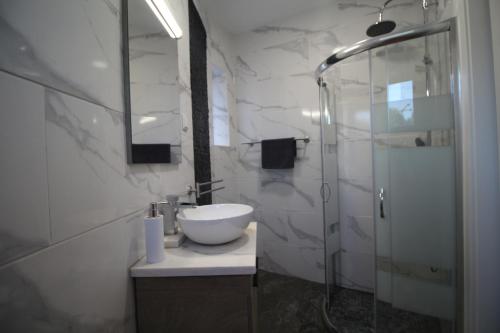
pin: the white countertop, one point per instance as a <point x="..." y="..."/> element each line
<point x="192" y="259"/>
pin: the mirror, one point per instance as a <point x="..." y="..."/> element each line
<point x="151" y="71"/>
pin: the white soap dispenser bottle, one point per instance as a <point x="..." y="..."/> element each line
<point x="153" y="230"/>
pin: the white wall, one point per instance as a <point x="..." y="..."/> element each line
<point x="72" y="208"/>
<point x="481" y="193"/>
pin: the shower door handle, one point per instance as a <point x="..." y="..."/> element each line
<point x="381" y="194"/>
<point x="327" y="186"/>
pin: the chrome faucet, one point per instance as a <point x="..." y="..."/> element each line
<point x="169" y="210"/>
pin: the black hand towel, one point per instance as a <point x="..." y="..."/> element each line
<point x="151" y="153"/>
<point x="278" y="153"/>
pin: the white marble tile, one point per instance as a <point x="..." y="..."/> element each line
<point x="229" y="194"/>
<point x="357" y="234"/>
<point x="224" y="162"/>
<point x="291" y="194"/>
<point x="25" y="225"/>
<point x="46" y="53"/>
<point x="303" y="262"/>
<point x="355" y="198"/>
<point x="333" y="238"/>
<point x="355" y="166"/>
<point x="357" y="271"/>
<point x="157" y="127"/>
<point x="81" y="285"/>
<point x="305" y="228"/>
<point x="275" y="60"/>
<point x="89" y="180"/>
<point x="154" y="91"/>
<point x="273" y="223"/>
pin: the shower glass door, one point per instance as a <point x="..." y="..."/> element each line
<point x="413" y="146"/>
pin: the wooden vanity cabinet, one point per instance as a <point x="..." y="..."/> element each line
<point x="195" y="304"/>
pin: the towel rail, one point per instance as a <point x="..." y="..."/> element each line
<point x="251" y="144"/>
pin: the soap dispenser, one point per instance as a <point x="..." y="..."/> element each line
<point x="153" y="229"/>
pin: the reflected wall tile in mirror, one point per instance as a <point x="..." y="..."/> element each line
<point x="25" y="225"/>
<point x="45" y="53"/>
<point x="154" y="81"/>
<point x="157" y="127"/>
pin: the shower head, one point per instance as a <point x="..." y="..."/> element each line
<point x="380" y="28"/>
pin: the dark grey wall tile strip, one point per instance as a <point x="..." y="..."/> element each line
<point x="201" y="130"/>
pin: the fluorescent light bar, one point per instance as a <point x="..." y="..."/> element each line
<point x="145" y="120"/>
<point x="164" y="15"/>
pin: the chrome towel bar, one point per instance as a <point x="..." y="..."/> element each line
<point x="306" y="140"/>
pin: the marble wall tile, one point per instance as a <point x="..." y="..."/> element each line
<point x="303" y="262"/>
<point x="358" y="234"/>
<point x="355" y="161"/>
<point x="67" y="129"/>
<point x="275" y="95"/>
<point x="46" y="53"/>
<point x="355" y="199"/>
<point x="25" y="225"/>
<point x="357" y="270"/>
<point x="305" y="228"/>
<point x="154" y="90"/>
<point x="89" y="181"/>
<point x="81" y="285"/>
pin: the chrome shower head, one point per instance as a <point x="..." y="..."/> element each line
<point x="380" y="28"/>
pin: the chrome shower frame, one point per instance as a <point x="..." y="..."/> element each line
<point x="406" y="34"/>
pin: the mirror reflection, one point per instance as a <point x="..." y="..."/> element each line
<point x="155" y="121"/>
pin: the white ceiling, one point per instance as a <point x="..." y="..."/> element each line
<point x="238" y="16"/>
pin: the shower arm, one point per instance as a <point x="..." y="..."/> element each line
<point x="425" y="6"/>
<point x="381" y="12"/>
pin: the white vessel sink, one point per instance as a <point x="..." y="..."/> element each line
<point x="215" y="224"/>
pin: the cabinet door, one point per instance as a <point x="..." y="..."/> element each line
<point x="194" y="304"/>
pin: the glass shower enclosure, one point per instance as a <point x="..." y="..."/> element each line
<point x="390" y="187"/>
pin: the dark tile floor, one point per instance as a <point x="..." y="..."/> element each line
<point x="288" y="304"/>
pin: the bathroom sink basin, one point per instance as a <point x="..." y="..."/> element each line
<point x="215" y="224"/>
